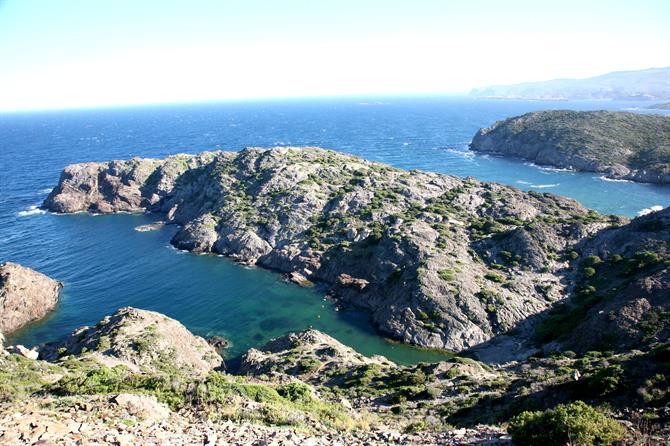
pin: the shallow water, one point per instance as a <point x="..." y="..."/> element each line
<point x="106" y="264"/>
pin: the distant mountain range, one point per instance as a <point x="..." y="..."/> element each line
<point x="649" y="84"/>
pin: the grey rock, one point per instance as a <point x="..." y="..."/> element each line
<point x="25" y="296"/>
<point x="420" y="251"/>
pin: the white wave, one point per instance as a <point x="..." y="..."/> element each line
<point x="613" y="180"/>
<point x="649" y="210"/>
<point x="406" y="143"/>
<point x="32" y="210"/>
<point x="549" y="168"/>
<point x="544" y="186"/>
<point x="462" y="153"/>
<point x="45" y="191"/>
<point x="522" y="182"/>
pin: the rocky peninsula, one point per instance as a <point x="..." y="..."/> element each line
<point x="625" y="146"/>
<point x="25" y="296"/>
<point x="438" y="261"/>
<point x="599" y="374"/>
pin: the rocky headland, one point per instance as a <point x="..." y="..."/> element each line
<point x="571" y="305"/>
<point x="25" y="296"/>
<point x="438" y="261"/>
<point x="626" y="146"/>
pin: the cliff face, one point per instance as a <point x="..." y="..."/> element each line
<point x="437" y="260"/>
<point x="622" y="298"/>
<point x="621" y="145"/>
<point x="25" y="296"/>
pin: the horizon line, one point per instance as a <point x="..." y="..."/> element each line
<point x="232" y="100"/>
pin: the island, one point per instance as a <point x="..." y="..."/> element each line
<point x="621" y="145"/>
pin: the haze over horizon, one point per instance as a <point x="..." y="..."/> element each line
<point x="87" y="54"/>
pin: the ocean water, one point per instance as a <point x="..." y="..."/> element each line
<point x="105" y="264"/>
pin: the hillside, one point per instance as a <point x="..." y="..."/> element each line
<point x="436" y="260"/>
<point x="650" y="84"/>
<point x="622" y="145"/>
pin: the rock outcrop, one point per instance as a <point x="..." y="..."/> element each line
<point x="25" y="296"/>
<point x="623" y="291"/>
<point x="144" y="341"/>
<point x="438" y="261"/>
<point x="309" y="354"/>
<point x="621" y="145"/>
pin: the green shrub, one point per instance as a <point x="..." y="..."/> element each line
<point x="606" y="380"/>
<point x="589" y="272"/>
<point x="447" y="275"/>
<point x="295" y="392"/>
<point x="575" y="423"/>
<point x="592" y="260"/>
<point x="495" y="277"/>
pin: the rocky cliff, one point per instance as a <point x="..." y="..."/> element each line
<point x="622" y="298"/>
<point x="437" y="260"/>
<point x="621" y="145"/>
<point x="25" y="296"/>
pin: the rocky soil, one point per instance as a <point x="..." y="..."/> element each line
<point x="140" y="340"/>
<point x="111" y="384"/>
<point x="622" y="145"/>
<point x="138" y="377"/>
<point x="25" y="296"/>
<point x="438" y="261"/>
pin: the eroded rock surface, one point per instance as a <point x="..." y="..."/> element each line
<point x="141" y="340"/>
<point x="438" y="261"/>
<point x="25" y="296"/>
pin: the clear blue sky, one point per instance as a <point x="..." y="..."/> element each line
<point x="71" y="53"/>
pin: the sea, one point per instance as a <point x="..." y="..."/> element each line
<point x="105" y="264"/>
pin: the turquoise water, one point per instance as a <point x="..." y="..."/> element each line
<point x="105" y="264"/>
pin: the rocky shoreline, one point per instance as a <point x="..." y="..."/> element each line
<point x="623" y="146"/>
<point x="438" y="261"/>
<point x="25" y="296"/>
<point x="140" y="377"/>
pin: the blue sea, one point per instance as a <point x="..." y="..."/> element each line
<point x="105" y="264"/>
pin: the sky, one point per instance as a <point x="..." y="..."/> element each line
<point x="83" y="53"/>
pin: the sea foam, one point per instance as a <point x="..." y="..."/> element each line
<point x="32" y="210"/>
<point x="649" y="210"/>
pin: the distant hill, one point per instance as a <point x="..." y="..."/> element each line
<point x="661" y="106"/>
<point x="650" y="84"/>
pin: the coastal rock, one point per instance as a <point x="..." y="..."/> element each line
<point x="143" y="341"/>
<point x="438" y="261"/>
<point x="102" y="187"/>
<point x="25" y="296"/>
<point x="627" y="146"/>
<point x="23" y="351"/>
<point x="308" y="354"/>
<point x="144" y="407"/>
